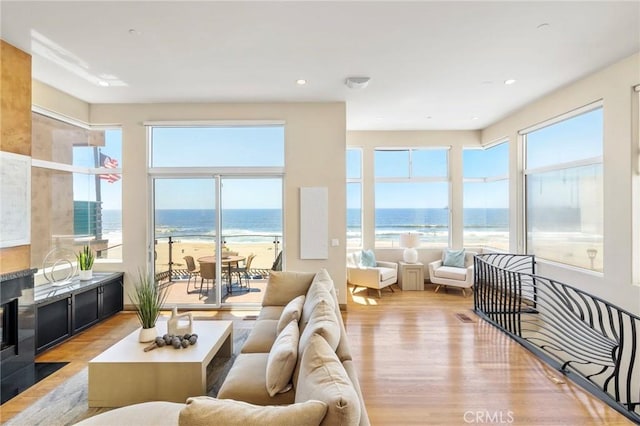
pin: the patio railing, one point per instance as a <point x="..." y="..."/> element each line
<point x="174" y="267"/>
<point x="585" y="337"/>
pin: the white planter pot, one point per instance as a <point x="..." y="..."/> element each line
<point x="85" y="275"/>
<point x="148" y="335"/>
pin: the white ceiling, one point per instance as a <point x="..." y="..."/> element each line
<point x="433" y="65"/>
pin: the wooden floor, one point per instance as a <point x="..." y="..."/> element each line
<point x="423" y="358"/>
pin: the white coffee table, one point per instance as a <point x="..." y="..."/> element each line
<point x="124" y="374"/>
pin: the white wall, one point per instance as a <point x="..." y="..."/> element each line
<point x="614" y="85"/>
<point x="314" y="156"/>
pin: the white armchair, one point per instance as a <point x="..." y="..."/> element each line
<point x="450" y="276"/>
<point x="384" y="274"/>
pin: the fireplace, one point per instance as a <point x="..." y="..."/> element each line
<point x="17" y="349"/>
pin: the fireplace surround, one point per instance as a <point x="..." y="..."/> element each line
<point x="17" y="351"/>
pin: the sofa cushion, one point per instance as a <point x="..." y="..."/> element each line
<point x="206" y="411"/>
<point x="386" y="273"/>
<point x="247" y="381"/>
<point x="155" y="413"/>
<point x="454" y="258"/>
<point x="322" y="377"/>
<point x="353" y="376"/>
<point x="261" y="337"/>
<point x="270" y="312"/>
<point x="451" y="273"/>
<point x="290" y="312"/>
<point x="282" y="359"/>
<point x="284" y="286"/>
<point x="322" y="321"/>
<point x="320" y="289"/>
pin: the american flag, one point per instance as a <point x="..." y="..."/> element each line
<point x="109" y="163"/>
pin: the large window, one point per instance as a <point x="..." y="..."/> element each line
<point x="412" y="195"/>
<point x="564" y="199"/>
<point x="217" y="192"/>
<point x="486" y="197"/>
<point x="354" y="198"/>
<point x="76" y="191"/>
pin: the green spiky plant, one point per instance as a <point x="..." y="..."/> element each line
<point x="85" y="258"/>
<point x="148" y="298"/>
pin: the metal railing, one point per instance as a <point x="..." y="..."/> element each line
<point x="173" y="272"/>
<point x="583" y="336"/>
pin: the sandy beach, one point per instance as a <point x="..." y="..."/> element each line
<point x="265" y="253"/>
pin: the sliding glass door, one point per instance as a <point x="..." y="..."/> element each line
<point x="251" y="230"/>
<point x="184" y="239"/>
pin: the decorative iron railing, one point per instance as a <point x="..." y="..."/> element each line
<point x="585" y="337"/>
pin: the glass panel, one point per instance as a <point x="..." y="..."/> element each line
<point x="565" y="216"/>
<point x="82" y="207"/>
<point x="483" y="163"/>
<point x="185" y="225"/>
<point x="59" y="142"/>
<point x="354" y="164"/>
<point x="486" y="214"/>
<point x="246" y="146"/>
<point x="429" y="162"/>
<point x="252" y="231"/>
<point x="392" y="163"/>
<point x="576" y="138"/>
<point x="66" y="214"/>
<point x="415" y="207"/>
<point x="354" y="215"/>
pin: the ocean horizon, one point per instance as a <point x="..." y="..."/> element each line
<point x="254" y="225"/>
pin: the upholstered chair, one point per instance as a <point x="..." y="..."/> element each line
<point x="442" y="273"/>
<point x="377" y="277"/>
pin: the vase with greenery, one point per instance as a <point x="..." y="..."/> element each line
<point x="85" y="258"/>
<point x="148" y="298"/>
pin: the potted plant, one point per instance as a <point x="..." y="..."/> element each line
<point x="85" y="259"/>
<point x="148" y="298"/>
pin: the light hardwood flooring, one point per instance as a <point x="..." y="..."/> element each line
<point x="418" y="362"/>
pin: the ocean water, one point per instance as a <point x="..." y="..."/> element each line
<point x="247" y="224"/>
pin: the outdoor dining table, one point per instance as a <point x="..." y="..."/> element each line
<point x="229" y="261"/>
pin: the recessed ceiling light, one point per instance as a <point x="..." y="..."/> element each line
<point x="428" y="117"/>
<point x="475" y="118"/>
<point x="301" y="82"/>
<point x="509" y="82"/>
<point x="103" y="83"/>
<point x="135" y="32"/>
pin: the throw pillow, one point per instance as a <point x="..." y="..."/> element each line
<point x="368" y="259"/>
<point x="282" y="359"/>
<point x="322" y="377"/>
<point x="454" y="258"/>
<point x="284" y="286"/>
<point x="290" y="312"/>
<point x="322" y="321"/>
<point x="207" y="411"/>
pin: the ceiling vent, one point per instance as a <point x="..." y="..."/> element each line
<point x="357" y="82"/>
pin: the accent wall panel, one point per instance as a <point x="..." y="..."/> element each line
<point x="314" y="223"/>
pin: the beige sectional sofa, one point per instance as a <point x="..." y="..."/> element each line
<point x="294" y="368"/>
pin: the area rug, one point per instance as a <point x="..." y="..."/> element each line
<point x="67" y="404"/>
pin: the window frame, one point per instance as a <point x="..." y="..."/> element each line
<point x="359" y="181"/>
<point x="486" y="179"/>
<point x="566" y="165"/>
<point x="414" y="179"/>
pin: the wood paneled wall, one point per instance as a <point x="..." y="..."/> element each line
<point x="15" y="129"/>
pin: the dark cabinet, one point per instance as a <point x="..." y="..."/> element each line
<point x="63" y="311"/>
<point x="53" y="323"/>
